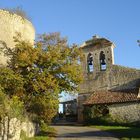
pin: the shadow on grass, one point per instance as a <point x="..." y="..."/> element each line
<point x="123" y="132"/>
<point x="49" y="134"/>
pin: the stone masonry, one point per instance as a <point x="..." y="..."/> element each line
<point x="10" y="24"/>
<point x="128" y="112"/>
<point x="12" y="129"/>
<point x="100" y="72"/>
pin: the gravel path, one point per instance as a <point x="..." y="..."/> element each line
<point x="82" y="133"/>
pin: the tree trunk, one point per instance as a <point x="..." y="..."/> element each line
<point x="2" y="129"/>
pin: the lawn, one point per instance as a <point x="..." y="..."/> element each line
<point x="48" y="134"/>
<point x="39" y="138"/>
<point x="124" y="133"/>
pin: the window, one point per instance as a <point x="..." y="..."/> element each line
<point x="102" y="61"/>
<point x="90" y="67"/>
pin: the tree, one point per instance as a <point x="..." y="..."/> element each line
<point x="9" y="108"/>
<point x="138" y="41"/>
<point x="47" y="69"/>
<point x="11" y="83"/>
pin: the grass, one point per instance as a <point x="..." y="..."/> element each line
<point x="44" y="135"/>
<point x="122" y="132"/>
<point x="39" y="138"/>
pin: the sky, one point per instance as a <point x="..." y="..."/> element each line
<point x="79" y="20"/>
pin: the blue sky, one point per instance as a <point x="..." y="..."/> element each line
<point x="79" y="20"/>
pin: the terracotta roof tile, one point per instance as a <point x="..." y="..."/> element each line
<point x="107" y="97"/>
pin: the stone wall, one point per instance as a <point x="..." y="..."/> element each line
<point x="94" y="81"/>
<point x="125" y="112"/>
<point x="116" y="78"/>
<point x="10" y="24"/>
<point x="121" y="78"/>
<point x="81" y="98"/>
<point x="13" y="129"/>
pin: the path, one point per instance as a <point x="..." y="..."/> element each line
<point x="81" y="133"/>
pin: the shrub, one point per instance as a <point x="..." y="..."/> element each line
<point x="96" y="114"/>
<point x="19" y="11"/>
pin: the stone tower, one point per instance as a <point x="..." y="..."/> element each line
<point x="99" y="55"/>
<point x="98" y="60"/>
<point x="101" y="75"/>
<point x="10" y="24"/>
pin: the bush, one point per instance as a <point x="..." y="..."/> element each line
<point x="96" y="114"/>
<point x="19" y="11"/>
<point x="23" y="135"/>
<point x="11" y="107"/>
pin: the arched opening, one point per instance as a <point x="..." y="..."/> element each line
<point x="90" y="66"/>
<point x="102" y="61"/>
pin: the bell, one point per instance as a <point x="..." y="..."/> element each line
<point x="90" y="63"/>
<point x="103" y="62"/>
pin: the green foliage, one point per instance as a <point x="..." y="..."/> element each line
<point x="23" y="135"/>
<point x="11" y="107"/>
<point x="44" y="108"/>
<point x="46" y="130"/>
<point x="16" y="108"/>
<point x="97" y="114"/>
<point x="38" y="74"/>
<point x="11" y="88"/>
<point x="4" y="104"/>
<point x="43" y="126"/>
<point x="11" y="83"/>
<point x="51" y="58"/>
<point x="40" y="138"/>
<point x="96" y="111"/>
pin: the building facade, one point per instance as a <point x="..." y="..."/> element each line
<point x="103" y="79"/>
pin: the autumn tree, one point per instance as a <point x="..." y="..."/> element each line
<point x="10" y="107"/>
<point x="47" y="69"/>
<point x="11" y="82"/>
<point x="11" y="87"/>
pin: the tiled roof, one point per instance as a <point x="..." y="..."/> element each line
<point x="108" y="97"/>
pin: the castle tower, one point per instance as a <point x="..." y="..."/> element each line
<point x="10" y="25"/>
